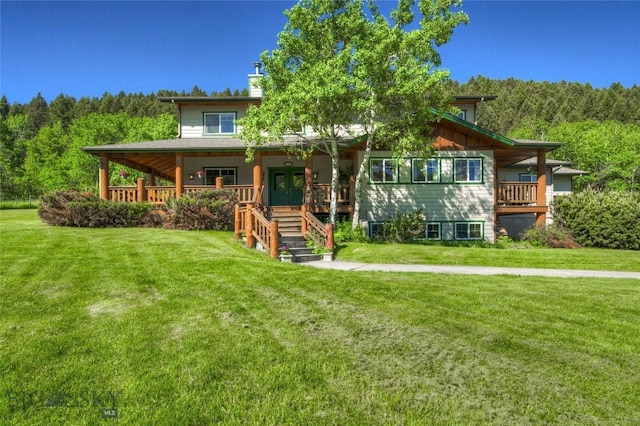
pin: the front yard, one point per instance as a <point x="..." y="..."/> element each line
<point x="150" y="326"/>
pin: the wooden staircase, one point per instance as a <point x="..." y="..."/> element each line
<point x="290" y="233"/>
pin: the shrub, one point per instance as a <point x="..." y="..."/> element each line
<point x="405" y="227"/>
<point x="345" y="233"/>
<point x="54" y="207"/>
<point x="607" y="219"/>
<point x="212" y="209"/>
<point x="551" y="236"/>
<point x="106" y="214"/>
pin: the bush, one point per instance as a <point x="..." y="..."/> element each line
<point x="54" y="207"/>
<point x="83" y="209"/>
<point x="212" y="209"/>
<point x="203" y="210"/>
<point x="345" y="233"/>
<point x="607" y="219"/>
<point x="105" y="214"/>
<point x="405" y="227"/>
<point x="551" y="236"/>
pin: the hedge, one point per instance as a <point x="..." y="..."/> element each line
<point x="607" y="219"/>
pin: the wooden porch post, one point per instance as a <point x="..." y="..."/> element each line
<point x="141" y="192"/>
<point x="104" y="177"/>
<point x="303" y="212"/>
<point x="236" y="222"/>
<point x="541" y="194"/>
<point x="308" y="181"/>
<point x="273" y="240"/>
<point x="257" y="173"/>
<point x="179" y="175"/>
<point x="328" y="229"/>
<point x="249" y="225"/>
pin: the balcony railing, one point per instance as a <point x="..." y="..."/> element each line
<point x="517" y="193"/>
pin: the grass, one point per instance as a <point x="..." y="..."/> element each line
<point x="176" y="327"/>
<point x="524" y="256"/>
<point x="18" y="204"/>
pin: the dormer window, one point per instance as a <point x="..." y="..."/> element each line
<point x="219" y="123"/>
<point x="462" y="114"/>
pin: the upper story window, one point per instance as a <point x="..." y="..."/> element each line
<point x="219" y="123"/>
<point x="383" y="170"/>
<point x="426" y="170"/>
<point x="462" y="114"/>
<point x="468" y="170"/>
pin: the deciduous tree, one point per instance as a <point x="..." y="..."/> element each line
<point x="341" y="62"/>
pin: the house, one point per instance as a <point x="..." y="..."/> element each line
<point x="468" y="188"/>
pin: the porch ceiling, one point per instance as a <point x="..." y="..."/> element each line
<point x="162" y="165"/>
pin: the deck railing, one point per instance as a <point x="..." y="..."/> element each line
<point x="124" y="194"/>
<point x="161" y="194"/>
<point x="322" y="193"/>
<point x="517" y="193"/>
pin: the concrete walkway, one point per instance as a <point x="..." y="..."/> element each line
<point x="469" y="270"/>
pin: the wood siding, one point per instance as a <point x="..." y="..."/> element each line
<point x="442" y="202"/>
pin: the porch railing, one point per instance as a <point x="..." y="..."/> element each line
<point x="517" y="193"/>
<point x="161" y="194"/>
<point x="321" y="193"/>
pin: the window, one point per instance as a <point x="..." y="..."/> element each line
<point x="227" y="174"/>
<point x="383" y="170"/>
<point x="433" y="231"/>
<point x="468" y="170"/>
<point x="462" y="114"/>
<point x="376" y="230"/>
<point x="528" y="177"/>
<point x="219" y="123"/>
<point x="426" y="170"/>
<point x="468" y="231"/>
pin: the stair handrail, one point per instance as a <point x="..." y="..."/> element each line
<point x="265" y="232"/>
<point x="318" y="231"/>
<point x="257" y="197"/>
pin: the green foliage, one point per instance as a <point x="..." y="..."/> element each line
<point x="107" y="214"/>
<point x="202" y="210"/>
<point x="212" y="209"/>
<point x="343" y="61"/>
<point x="607" y="219"/>
<point x="528" y="104"/>
<point x="609" y="151"/>
<point x="85" y="210"/>
<point x="404" y="227"/>
<point x="345" y="233"/>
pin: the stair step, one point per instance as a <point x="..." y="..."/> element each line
<point x="306" y="258"/>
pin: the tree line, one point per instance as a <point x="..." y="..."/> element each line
<point x="40" y="141"/>
<point x="528" y="104"/>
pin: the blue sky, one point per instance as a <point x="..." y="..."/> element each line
<point x="87" y="48"/>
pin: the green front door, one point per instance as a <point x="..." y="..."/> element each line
<point x="286" y="186"/>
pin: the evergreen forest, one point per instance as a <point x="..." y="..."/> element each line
<point x="41" y="141"/>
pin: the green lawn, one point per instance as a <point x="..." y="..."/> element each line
<point x="176" y="327"/>
<point x="522" y="257"/>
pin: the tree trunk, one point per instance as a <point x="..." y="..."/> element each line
<point x="358" y="184"/>
<point x="335" y="169"/>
